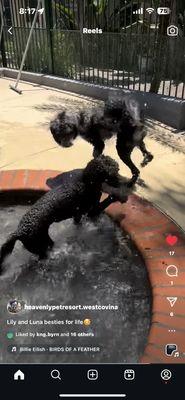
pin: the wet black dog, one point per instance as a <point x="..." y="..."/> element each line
<point x="121" y="117"/>
<point x="129" y="120"/>
<point x="75" y="194"/>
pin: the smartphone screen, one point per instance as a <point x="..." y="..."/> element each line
<point x="92" y="244"/>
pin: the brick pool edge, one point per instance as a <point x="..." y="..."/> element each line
<point x="148" y="228"/>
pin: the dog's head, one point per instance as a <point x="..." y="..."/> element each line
<point x="64" y="129"/>
<point x="102" y="169"/>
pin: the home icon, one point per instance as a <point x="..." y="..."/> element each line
<point x="19" y="376"/>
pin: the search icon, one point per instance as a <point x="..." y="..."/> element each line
<point x="55" y="374"/>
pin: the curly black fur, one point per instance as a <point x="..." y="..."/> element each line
<point x="74" y="194"/>
<point x="121" y="117"/>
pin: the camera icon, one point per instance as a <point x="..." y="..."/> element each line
<point x="172" y="30"/>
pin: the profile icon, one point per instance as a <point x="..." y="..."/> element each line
<point x="14" y="306"/>
<point x="166" y="374"/>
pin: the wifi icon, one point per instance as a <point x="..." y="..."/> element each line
<point x="150" y="10"/>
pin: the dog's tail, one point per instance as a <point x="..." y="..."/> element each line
<point x="7" y="247"/>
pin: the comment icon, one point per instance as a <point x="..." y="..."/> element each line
<point x="172" y="270"/>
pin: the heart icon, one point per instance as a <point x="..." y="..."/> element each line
<point x="171" y="240"/>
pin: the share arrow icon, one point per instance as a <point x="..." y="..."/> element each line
<point x="172" y="300"/>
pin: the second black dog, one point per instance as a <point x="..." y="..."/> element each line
<point x="79" y="194"/>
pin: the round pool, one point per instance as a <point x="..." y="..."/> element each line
<point x="94" y="266"/>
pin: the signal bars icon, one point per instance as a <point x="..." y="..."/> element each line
<point x="140" y="11"/>
<point x="149" y="10"/>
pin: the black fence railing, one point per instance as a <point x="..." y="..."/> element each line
<point x="132" y="52"/>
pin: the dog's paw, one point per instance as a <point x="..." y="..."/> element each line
<point x="132" y="181"/>
<point x="147" y="159"/>
<point x="140" y="182"/>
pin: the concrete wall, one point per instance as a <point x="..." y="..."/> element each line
<point x="168" y="110"/>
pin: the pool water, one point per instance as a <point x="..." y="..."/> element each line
<point x="90" y="264"/>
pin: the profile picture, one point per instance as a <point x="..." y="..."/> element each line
<point x="14" y="306"/>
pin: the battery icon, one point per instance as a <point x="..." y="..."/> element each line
<point x="163" y="11"/>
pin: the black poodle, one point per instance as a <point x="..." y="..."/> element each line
<point x="78" y="195"/>
<point x="121" y="117"/>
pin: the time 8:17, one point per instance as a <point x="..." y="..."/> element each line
<point x="30" y="10"/>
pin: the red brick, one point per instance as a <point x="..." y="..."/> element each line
<point x="44" y="176"/>
<point x="175" y="322"/>
<point x="157" y="355"/>
<point x="169" y="291"/>
<point x="158" y="277"/>
<point x="158" y="254"/>
<point x="6" y="178"/>
<point x="150" y="241"/>
<point x="116" y="211"/>
<point x="161" y="337"/>
<point x="31" y="179"/>
<point x="163" y="262"/>
<point x="19" y="180"/>
<point x="161" y="304"/>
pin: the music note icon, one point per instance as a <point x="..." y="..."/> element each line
<point x="171" y="349"/>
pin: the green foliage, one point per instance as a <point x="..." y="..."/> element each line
<point x="64" y="16"/>
<point x="99" y="7"/>
<point x="66" y="53"/>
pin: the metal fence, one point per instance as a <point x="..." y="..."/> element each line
<point x="133" y="51"/>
